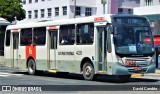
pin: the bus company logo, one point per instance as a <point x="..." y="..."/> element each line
<point x="6" y="88"/>
<point x="31" y="51"/>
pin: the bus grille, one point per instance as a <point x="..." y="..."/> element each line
<point x="142" y="71"/>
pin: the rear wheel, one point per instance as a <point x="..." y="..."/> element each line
<point x="88" y="71"/>
<point x="31" y="67"/>
<point x="123" y="78"/>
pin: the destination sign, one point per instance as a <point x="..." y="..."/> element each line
<point x="131" y="20"/>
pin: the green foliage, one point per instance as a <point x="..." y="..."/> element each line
<point x="10" y="9"/>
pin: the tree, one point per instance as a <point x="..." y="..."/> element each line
<point x="9" y="9"/>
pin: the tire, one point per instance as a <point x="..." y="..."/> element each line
<point x="123" y="78"/>
<point x="88" y="71"/>
<point x="31" y="67"/>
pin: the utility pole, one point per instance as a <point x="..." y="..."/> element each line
<point x="104" y="2"/>
<point x="74" y="8"/>
<point x="15" y="20"/>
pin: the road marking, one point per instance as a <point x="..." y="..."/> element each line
<point x="4" y="74"/>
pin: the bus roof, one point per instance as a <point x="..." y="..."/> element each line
<point x="107" y="18"/>
<point x="128" y="15"/>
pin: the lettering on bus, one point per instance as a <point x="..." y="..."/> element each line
<point x="65" y="53"/>
<point x="79" y="52"/>
<point x="31" y="51"/>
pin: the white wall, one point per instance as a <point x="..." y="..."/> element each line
<point x="147" y="10"/>
<point x="154" y="2"/>
<point x="58" y="3"/>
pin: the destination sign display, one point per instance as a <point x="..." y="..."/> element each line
<point x="131" y="20"/>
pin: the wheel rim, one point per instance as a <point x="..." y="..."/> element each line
<point x="88" y="71"/>
<point x="31" y="67"/>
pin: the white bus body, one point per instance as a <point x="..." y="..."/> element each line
<point x="82" y="45"/>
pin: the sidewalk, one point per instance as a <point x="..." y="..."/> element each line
<point x="156" y="74"/>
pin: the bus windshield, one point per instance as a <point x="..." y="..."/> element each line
<point x="132" y="40"/>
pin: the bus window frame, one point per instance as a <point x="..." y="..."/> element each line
<point x="62" y="35"/>
<point x="82" y="35"/>
<point x="36" y="37"/>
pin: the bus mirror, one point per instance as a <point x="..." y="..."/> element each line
<point x="111" y="29"/>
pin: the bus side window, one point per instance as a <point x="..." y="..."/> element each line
<point x="8" y="34"/>
<point x="67" y="35"/>
<point x="26" y="36"/>
<point x="39" y="37"/>
<point x="85" y="33"/>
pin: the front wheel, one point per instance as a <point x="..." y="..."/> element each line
<point x="88" y="71"/>
<point x="31" y="67"/>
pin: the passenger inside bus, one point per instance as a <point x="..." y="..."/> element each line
<point x="64" y="40"/>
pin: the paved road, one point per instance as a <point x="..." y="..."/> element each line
<point x="17" y="77"/>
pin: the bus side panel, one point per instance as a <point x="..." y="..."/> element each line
<point x="22" y="57"/>
<point x="65" y="58"/>
<point x="111" y="58"/>
<point x="8" y="57"/>
<point x="41" y="58"/>
<point x="82" y="51"/>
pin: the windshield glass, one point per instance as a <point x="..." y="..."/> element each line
<point x="133" y="40"/>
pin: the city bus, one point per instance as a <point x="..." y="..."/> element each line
<point x="87" y="46"/>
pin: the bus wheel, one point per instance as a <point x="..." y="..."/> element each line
<point x="31" y="67"/>
<point x="88" y="71"/>
<point x="123" y="78"/>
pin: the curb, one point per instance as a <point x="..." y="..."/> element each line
<point x="149" y="74"/>
<point x="137" y="75"/>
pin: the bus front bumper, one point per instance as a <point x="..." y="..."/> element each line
<point x="122" y="70"/>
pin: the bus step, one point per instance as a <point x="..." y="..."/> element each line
<point x="52" y="70"/>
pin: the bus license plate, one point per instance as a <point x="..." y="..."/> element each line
<point x="138" y="69"/>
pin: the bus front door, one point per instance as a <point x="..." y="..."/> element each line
<point x="15" y="49"/>
<point x="53" y="48"/>
<point x="102" y="54"/>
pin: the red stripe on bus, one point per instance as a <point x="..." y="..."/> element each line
<point x="99" y="19"/>
<point x="31" y="52"/>
<point x="52" y="27"/>
<point x="15" y="30"/>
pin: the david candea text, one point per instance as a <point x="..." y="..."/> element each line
<point x="145" y="88"/>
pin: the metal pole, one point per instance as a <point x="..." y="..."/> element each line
<point x="103" y="8"/>
<point x="15" y="19"/>
<point x="74" y="8"/>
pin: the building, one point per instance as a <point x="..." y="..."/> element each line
<point x="42" y="10"/>
<point x="150" y="9"/>
<point x="123" y="6"/>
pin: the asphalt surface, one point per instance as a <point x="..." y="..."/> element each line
<point x="74" y="83"/>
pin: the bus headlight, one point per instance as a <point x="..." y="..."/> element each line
<point x="152" y="60"/>
<point x="120" y="61"/>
